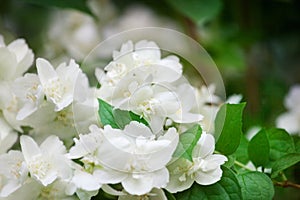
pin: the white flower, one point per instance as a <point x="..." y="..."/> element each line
<point x="72" y="33"/>
<point x="44" y="122"/>
<point x="209" y="105"/>
<point x="141" y="157"/>
<point x="58" y="84"/>
<point x="13" y="172"/>
<point x="15" y="59"/>
<point x="144" y="54"/>
<point x="87" y="144"/>
<point x="32" y="189"/>
<point x="85" y="181"/>
<point x="86" y="148"/>
<point x="47" y="162"/>
<point x="7" y="135"/>
<point x="290" y="120"/>
<point x="133" y="156"/>
<point x="29" y="92"/>
<point x="204" y="169"/>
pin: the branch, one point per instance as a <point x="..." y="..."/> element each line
<point x="287" y="184"/>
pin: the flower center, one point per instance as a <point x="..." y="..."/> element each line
<point x="39" y="167"/>
<point x="55" y="90"/>
<point x="65" y="117"/>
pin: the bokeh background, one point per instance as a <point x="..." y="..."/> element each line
<point x="255" y="44"/>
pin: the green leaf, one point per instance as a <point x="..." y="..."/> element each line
<point x="256" y="186"/>
<point x="242" y="151"/>
<point x="281" y="143"/>
<point x="227" y="188"/>
<point x="135" y="117"/>
<point x="121" y="117"/>
<point x="106" y="115"/>
<point x="80" y="5"/>
<point x="187" y="142"/>
<point x="269" y="145"/>
<point x="197" y="10"/>
<point x="169" y="195"/>
<point x="297" y="143"/>
<point x="284" y="163"/>
<point x="228" y="128"/>
<point x="259" y="149"/>
<point x="115" y="117"/>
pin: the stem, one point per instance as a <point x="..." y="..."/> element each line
<point x="284" y="178"/>
<point x="286" y="184"/>
<point x="242" y="165"/>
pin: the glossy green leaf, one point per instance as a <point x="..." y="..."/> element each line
<point x="297" y="143"/>
<point x="227" y="188"/>
<point x="197" y="10"/>
<point x="169" y="195"/>
<point x="284" y="162"/>
<point x="259" y="149"/>
<point x="228" y="128"/>
<point x="241" y="153"/>
<point x="106" y="115"/>
<point x="256" y="186"/>
<point x="116" y="118"/>
<point x="187" y="142"/>
<point x="281" y="143"/>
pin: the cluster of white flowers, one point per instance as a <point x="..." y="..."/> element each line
<point x="290" y="120"/>
<point x="46" y="110"/>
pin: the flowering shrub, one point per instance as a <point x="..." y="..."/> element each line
<point x="144" y="133"/>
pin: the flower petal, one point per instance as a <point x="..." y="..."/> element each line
<point x="45" y="70"/>
<point x="138" y="184"/>
<point x="205" y="146"/>
<point x="29" y="147"/>
<point x="208" y="178"/>
<point x="85" y="181"/>
<point x="53" y="145"/>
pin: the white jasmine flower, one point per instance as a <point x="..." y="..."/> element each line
<point x="209" y="105"/>
<point x="29" y="92"/>
<point x="204" y="169"/>
<point x="32" y="189"/>
<point x="85" y="181"/>
<point x="72" y="33"/>
<point x="290" y="120"/>
<point x="44" y="122"/>
<point x="7" y="135"/>
<point x="58" y="84"/>
<point x="87" y="144"/>
<point x="13" y="172"/>
<point x="15" y="59"/>
<point x="142" y="54"/>
<point x="142" y="158"/>
<point x="47" y="162"/>
<point x="11" y="110"/>
<point x="86" y="148"/>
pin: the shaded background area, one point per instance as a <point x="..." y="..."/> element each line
<point x="255" y="44"/>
